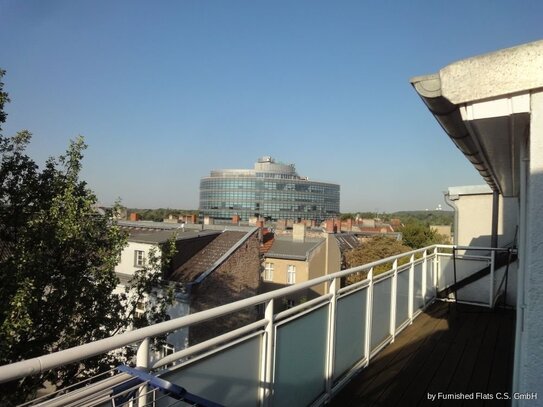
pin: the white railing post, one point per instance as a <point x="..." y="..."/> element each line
<point x="267" y="356"/>
<point x="331" y="349"/>
<point x="423" y="277"/>
<point x="435" y="273"/>
<point x="411" y="289"/>
<point x="369" y="311"/>
<point x="492" y="270"/>
<point x="142" y="361"/>
<point x="393" y="299"/>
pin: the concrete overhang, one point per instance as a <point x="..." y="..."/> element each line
<point x="483" y="104"/>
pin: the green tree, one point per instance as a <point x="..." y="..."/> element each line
<point x="374" y="249"/>
<point x="417" y="235"/>
<point x="57" y="260"/>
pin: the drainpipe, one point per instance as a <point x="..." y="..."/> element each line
<point x="521" y="270"/>
<point x="495" y="216"/>
<point x="449" y="200"/>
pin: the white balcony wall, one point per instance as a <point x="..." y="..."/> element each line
<point x="474" y="216"/>
<point x="529" y="357"/>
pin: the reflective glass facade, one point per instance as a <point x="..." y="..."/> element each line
<point x="272" y="191"/>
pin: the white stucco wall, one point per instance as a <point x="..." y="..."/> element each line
<point x="474" y="217"/>
<point x="530" y="367"/>
<point x="178" y="339"/>
<point x="126" y="264"/>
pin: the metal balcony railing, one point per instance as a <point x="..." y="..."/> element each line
<point x="298" y="357"/>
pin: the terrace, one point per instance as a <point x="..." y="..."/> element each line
<point x="386" y="337"/>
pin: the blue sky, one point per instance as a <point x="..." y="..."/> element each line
<point x="165" y="91"/>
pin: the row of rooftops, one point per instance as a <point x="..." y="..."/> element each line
<point x="274" y="244"/>
<point x="279" y="242"/>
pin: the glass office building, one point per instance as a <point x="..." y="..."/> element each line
<point x="271" y="190"/>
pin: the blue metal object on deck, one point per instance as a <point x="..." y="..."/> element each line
<point x="168" y="388"/>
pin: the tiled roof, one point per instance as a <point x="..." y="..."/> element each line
<point x="283" y="248"/>
<point x="267" y="242"/>
<point x="205" y="258"/>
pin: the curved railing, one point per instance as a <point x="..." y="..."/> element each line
<point x="298" y="356"/>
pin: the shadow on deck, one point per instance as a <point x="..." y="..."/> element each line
<point x="450" y="349"/>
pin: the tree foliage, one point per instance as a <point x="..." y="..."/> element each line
<point x="158" y="215"/>
<point x="417" y="235"/>
<point x="374" y="249"/>
<point x="57" y="261"/>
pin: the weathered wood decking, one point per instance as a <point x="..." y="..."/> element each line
<point x="450" y="349"/>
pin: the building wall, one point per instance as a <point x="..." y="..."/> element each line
<point x="236" y="278"/>
<point x="280" y="268"/>
<point x="325" y="259"/>
<point x="529" y="317"/>
<point x="444" y="230"/>
<point x="271" y="190"/>
<point x="317" y="265"/>
<point x="126" y="264"/>
<point x="474" y="220"/>
<point x="222" y="198"/>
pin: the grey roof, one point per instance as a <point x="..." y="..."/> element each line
<point x="149" y="224"/>
<point x="162" y="236"/>
<point x="347" y="241"/>
<point x="286" y="248"/>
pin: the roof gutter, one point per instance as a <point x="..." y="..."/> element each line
<point x="449" y="117"/>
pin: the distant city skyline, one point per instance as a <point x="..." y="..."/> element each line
<point x="166" y="92"/>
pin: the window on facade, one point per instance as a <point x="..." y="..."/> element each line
<point x="167" y="349"/>
<point x="291" y="274"/>
<point x="139" y="258"/>
<point x="140" y="309"/>
<point x="268" y="271"/>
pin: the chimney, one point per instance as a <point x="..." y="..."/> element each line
<point x="298" y="232"/>
<point x="208" y="220"/>
<point x="260" y="224"/>
<point x="236" y="219"/>
<point x="331" y="226"/>
<point x="134" y="216"/>
<point x="281" y="224"/>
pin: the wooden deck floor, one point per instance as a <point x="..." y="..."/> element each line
<point x="449" y="349"/>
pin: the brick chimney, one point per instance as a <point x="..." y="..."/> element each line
<point x="134" y="216"/>
<point x="208" y="220"/>
<point x="331" y="226"/>
<point x="236" y="219"/>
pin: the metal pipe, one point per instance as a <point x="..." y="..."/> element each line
<point x="495" y="218"/>
<point x="449" y="201"/>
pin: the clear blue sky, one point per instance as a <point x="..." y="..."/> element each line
<point x="165" y="91"/>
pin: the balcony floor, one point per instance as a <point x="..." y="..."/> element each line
<point x="448" y="349"/>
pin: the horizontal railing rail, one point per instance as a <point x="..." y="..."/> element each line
<point x="385" y="304"/>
